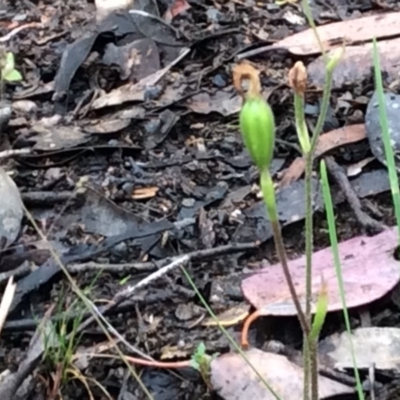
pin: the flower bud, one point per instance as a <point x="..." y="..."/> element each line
<point x="298" y="82"/>
<point x="258" y="130"/>
<point x="256" y="118"/>
<point x="298" y="78"/>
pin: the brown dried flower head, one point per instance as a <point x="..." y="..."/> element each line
<point x="246" y="75"/>
<point x="298" y="78"/>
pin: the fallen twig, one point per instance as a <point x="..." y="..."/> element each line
<point x="6" y="300"/>
<point x="340" y="177"/>
<point x="42" y="337"/>
<point x="19" y="29"/>
<point x="26" y="324"/>
<point x="13" y="152"/>
<point x="50" y="268"/>
<point x="127" y="292"/>
<point x="151" y="266"/>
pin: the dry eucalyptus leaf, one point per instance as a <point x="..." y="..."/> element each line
<point x="356" y="64"/>
<point x="232" y="316"/>
<point x="11" y="211"/>
<point x="105" y="7"/>
<point x="170" y="352"/>
<point x="57" y="137"/>
<point x="233" y="378"/>
<point x="326" y="142"/>
<point x="380" y="346"/>
<point x="106" y="126"/>
<point x="344" y="32"/>
<point x="369" y="272"/>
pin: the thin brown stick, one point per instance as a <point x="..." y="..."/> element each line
<point x="127" y="292"/>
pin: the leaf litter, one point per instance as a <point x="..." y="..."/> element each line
<point x="235" y="380"/>
<point x="369" y="268"/>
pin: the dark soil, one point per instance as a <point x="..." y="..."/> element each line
<point x="194" y="163"/>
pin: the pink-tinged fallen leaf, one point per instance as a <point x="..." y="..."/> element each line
<point x="368" y="267"/>
<point x="177" y="7"/>
<point x="326" y="142"/>
<point x="356" y="64"/>
<point x="233" y="379"/>
<point x="345" y="32"/>
<point x="380" y="346"/>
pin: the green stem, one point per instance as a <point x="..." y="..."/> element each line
<point x="309" y="228"/>
<point x="329" y="67"/>
<point x="309" y="232"/>
<point x="301" y="126"/>
<point x="313" y="343"/>
<point x="309" y="249"/>
<point x="338" y="269"/>
<point x="308" y="190"/>
<point x="306" y="367"/>
<point x="307" y="11"/>
<point x="268" y="192"/>
<point x="383" y="119"/>
<point x="304" y="139"/>
<point x="309" y="211"/>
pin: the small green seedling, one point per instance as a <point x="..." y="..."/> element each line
<point x="201" y="361"/>
<point x="124" y="280"/>
<point x="8" y="72"/>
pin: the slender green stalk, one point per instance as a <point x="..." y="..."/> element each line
<point x="309" y="356"/>
<point x="313" y="346"/>
<point x="298" y="82"/>
<point x="329" y="67"/>
<point x="308" y="190"/>
<point x="309" y="237"/>
<point x="307" y="11"/>
<point x="338" y="269"/>
<point x="227" y="335"/>
<point x="301" y="126"/>
<point x="268" y="192"/>
<point x="390" y="160"/>
<point x="306" y="367"/>
<point x="308" y="250"/>
<point x="319" y="319"/>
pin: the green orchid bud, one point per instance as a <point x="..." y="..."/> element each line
<point x="258" y="130"/>
<point x="256" y="118"/>
<point x="298" y="82"/>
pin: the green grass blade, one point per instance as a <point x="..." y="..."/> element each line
<point x="320" y="313"/>
<point x="227" y="335"/>
<point x="338" y="269"/>
<point x="389" y="154"/>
